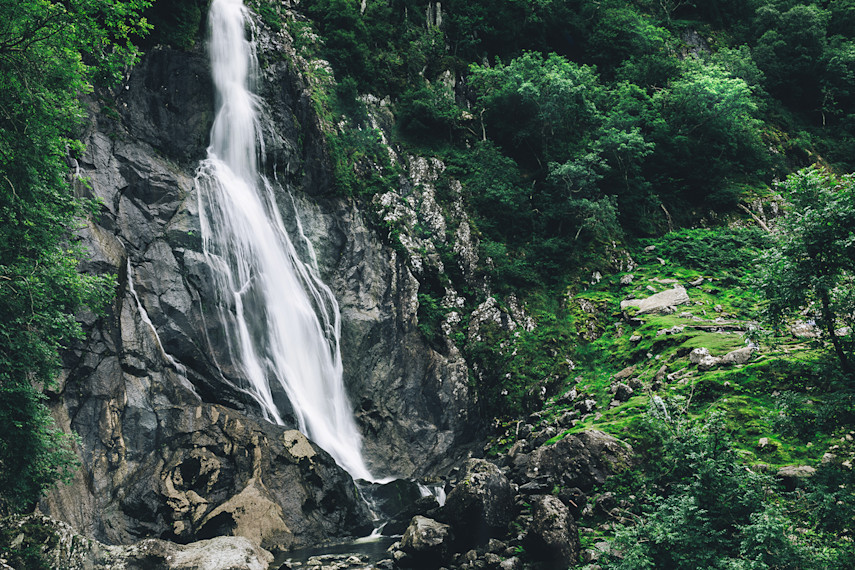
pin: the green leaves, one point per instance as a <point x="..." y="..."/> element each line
<point x="703" y="507"/>
<point x="50" y="53"/>
<point x="812" y="264"/>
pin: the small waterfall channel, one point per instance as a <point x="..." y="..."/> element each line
<point x="280" y="322"/>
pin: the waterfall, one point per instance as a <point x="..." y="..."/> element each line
<point x="280" y="322"/>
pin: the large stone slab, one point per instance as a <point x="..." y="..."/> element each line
<point x="662" y="302"/>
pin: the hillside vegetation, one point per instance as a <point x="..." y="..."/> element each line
<point x="609" y="151"/>
<point x="604" y="152"/>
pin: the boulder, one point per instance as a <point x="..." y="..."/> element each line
<point x="625" y="373"/>
<point x="425" y="544"/>
<point x="231" y="552"/>
<point x="801" y="329"/>
<point x="738" y="356"/>
<point x="791" y="475"/>
<point x="481" y="505"/>
<point x="660" y="302"/>
<point x="622" y="392"/>
<point x="553" y="537"/>
<point x="703" y="358"/>
<point x="582" y="460"/>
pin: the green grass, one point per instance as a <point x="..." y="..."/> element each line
<point x="744" y="393"/>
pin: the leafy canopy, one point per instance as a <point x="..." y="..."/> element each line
<point x="812" y="263"/>
<point x="51" y="53"/>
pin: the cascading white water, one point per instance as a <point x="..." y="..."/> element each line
<point x="280" y="321"/>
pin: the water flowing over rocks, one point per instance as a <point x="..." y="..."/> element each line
<point x="170" y="444"/>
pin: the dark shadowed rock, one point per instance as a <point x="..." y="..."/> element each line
<point x="793" y="475"/>
<point x="581" y="460"/>
<point x="553" y="537"/>
<point x="425" y="544"/>
<point x="481" y="504"/>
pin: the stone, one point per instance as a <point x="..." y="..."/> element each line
<point x="738" y="356"/>
<point x="626" y="279"/>
<point x="625" y="373"/>
<point x="662" y="303"/>
<point x="67" y="549"/>
<point x="791" y="475"/>
<point x="481" y="505"/>
<point x="565" y="420"/>
<point x="703" y="358"/>
<point x="575" y="500"/>
<point x="426" y="544"/>
<point x="586" y="406"/>
<point x="553" y="537"/>
<point x="582" y="460"/>
<point x="622" y="392"/>
<point x="801" y="329"/>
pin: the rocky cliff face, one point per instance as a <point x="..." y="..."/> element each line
<point x="169" y="446"/>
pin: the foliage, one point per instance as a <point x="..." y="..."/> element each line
<point x="50" y="53"/>
<point x="701" y="507"/>
<point x="813" y="259"/>
<point x="178" y="23"/>
<point x="36" y="538"/>
<point x="703" y="248"/>
<point x="706" y="134"/>
<point x="518" y="371"/>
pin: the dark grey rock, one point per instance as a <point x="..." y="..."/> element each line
<point x="622" y="392"/>
<point x="481" y="504"/>
<point x="553" y="537"/>
<point x="581" y="460"/>
<point x="426" y="544"/>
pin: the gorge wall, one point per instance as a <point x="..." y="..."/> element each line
<point x="169" y="447"/>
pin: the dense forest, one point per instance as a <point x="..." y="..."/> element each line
<point x="598" y="145"/>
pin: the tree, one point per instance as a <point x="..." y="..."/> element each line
<point x="51" y="52"/>
<point x="812" y="263"/>
<point x="700" y="507"/>
<point x="706" y="132"/>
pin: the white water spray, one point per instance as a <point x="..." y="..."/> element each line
<point x="280" y="321"/>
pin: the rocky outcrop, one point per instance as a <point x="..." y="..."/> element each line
<point x="705" y="361"/>
<point x="170" y="444"/>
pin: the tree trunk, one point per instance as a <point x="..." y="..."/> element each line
<point x="829" y="327"/>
